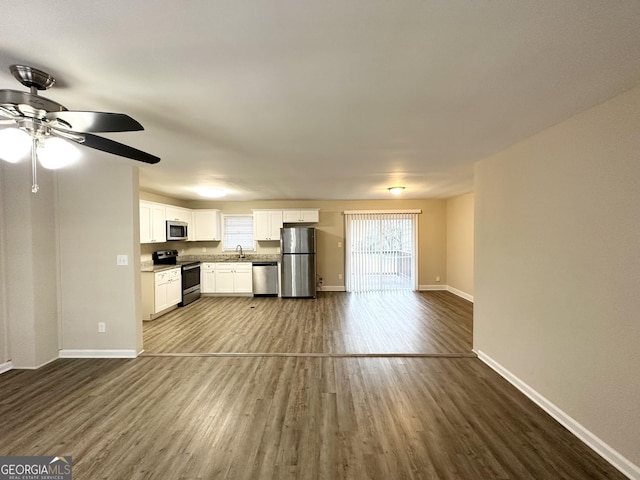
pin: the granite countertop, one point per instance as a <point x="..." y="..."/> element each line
<point x="148" y="266"/>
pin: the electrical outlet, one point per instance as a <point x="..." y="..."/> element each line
<point x="438" y="278"/>
<point x="339" y="276"/>
<point x="204" y="249"/>
<point x="102" y="327"/>
<point x="339" y="244"/>
<point x="122" y="260"/>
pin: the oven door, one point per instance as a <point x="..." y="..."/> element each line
<point x="190" y="284"/>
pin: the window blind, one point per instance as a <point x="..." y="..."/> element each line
<point x="237" y="230"/>
<point x="381" y="251"/>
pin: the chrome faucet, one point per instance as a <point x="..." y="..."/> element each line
<point x="241" y="253"/>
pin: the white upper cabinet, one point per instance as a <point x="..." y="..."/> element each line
<point x="267" y="224"/>
<point x="179" y="214"/>
<point x="307" y="215"/>
<point x="152" y="222"/>
<point x="207" y="225"/>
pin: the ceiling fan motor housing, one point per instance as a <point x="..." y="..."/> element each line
<point x="32" y="77"/>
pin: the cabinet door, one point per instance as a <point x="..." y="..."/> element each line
<point x="158" y="224"/>
<point x="309" y="216"/>
<point x="300" y="216"/>
<point x="174" y="291"/>
<point x="275" y="224"/>
<point x="174" y="288"/>
<point x="262" y="225"/>
<point x="179" y="214"/>
<point x="243" y="278"/>
<point x="152" y="223"/>
<point x="161" y="299"/>
<point x="267" y="224"/>
<point x="208" y="280"/>
<point x="243" y="282"/>
<point x="145" y="223"/>
<point x="291" y="216"/>
<point x="224" y="278"/>
<point x="207" y="225"/>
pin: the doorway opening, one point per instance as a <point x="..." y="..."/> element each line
<point x="381" y="251"/>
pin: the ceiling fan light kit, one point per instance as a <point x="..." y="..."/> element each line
<point x="14" y="144"/>
<point x="48" y="128"/>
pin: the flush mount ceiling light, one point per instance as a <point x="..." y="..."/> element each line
<point x="395" y="190"/>
<point x="211" y="192"/>
<point x="50" y="128"/>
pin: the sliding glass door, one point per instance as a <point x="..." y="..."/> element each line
<point x="381" y="251"/>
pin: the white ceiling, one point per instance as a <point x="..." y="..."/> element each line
<point x="300" y="99"/>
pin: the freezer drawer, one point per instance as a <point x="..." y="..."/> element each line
<point x="265" y="279"/>
<point x="299" y="275"/>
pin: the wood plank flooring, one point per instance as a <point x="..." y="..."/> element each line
<point x="334" y="323"/>
<point x="246" y="388"/>
<point x="286" y="418"/>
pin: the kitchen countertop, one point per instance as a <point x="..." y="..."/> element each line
<point x="148" y="266"/>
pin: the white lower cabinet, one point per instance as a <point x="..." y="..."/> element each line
<point x="226" y="277"/>
<point x="243" y="278"/>
<point x="207" y="277"/>
<point x="160" y="290"/>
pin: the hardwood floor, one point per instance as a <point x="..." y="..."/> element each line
<point x="245" y="388"/>
<point x="334" y="323"/>
<point x="286" y="417"/>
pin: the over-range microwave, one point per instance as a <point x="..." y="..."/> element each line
<point x="176" y="230"/>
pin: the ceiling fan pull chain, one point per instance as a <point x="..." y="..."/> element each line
<point x="34" y="165"/>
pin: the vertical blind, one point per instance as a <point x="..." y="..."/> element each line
<point x="237" y="230"/>
<point x="381" y="251"/>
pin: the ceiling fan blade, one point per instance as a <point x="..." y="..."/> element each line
<point x="6" y="112"/>
<point x="93" y="121"/>
<point x="109" y="146"/>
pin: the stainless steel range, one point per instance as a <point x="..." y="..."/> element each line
<point x="190" y="274"/>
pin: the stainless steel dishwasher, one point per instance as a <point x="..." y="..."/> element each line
<point x="265" y="279"/>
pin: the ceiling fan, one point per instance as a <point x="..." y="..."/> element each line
<point x="49" y="125"/>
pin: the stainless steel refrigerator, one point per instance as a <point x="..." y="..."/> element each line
<point x="298" y="275"/>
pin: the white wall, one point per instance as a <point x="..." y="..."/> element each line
<point x="4" y="327"/>
<point x="460" y="226"/>
<point x="557" y="269"/>
<point x="97" y="210"/>
<point x="29" y="268"/>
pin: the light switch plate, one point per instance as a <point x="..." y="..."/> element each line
<point x="122" y="260"/>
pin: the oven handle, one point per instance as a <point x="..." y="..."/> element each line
<point x="191" y="267"/>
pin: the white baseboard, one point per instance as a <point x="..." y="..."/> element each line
<point x="32" y="367"/>
<point x="460" y="293"/>
<point x="98" y="353"/>
<point x="331" y="288"/>
<point x="596" y="444"/>
<point x="426" y="288"/>
<point x="6" y="366"/>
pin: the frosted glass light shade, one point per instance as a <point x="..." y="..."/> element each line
<point x="396" y="190"/>
<point x="57" y="153"/>
<point x="211" y="192"/>
<point x="14" y="144"/>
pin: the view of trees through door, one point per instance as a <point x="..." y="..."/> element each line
<point x="381" y="251"/>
